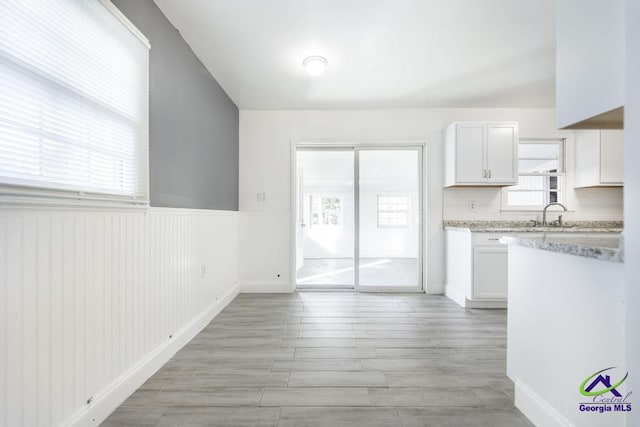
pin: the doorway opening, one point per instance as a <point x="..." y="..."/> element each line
<point x="358" y="218"/>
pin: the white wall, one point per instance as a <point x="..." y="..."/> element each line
<point x="581" y="93"/>
<point x="562" y="327"/>
<point x="593" y="204"/>
<point x="265" y="158"/>
<point x="632" y="198"/>
<point x="93" y="302"/>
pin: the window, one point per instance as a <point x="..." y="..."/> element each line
<point x="73" y="102"/>
<point x="326" y="210"/>
<point x="393" y="211"/>
<point x="541" y="175"/>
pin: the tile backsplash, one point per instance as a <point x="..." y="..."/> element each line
<point x="596" y="204"/>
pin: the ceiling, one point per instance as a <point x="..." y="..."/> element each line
<point x="381" y="53"/>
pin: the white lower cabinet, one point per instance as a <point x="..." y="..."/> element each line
<point x="490" y="273"/>
<point x="477" y="269"/>
<point x="477" y="264"/>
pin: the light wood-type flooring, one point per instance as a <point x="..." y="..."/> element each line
<point x="335" y="359"/>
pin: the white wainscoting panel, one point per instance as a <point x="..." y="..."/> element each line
<point x="93" y="302"/>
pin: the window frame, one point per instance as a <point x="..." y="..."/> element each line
<point x="561" y="176"/>
<point x="322" y="196"/>
<point x="407" y="196"/>
<point x="49" y="194"/>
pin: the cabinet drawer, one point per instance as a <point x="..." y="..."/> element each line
<point x="489" y="238"/>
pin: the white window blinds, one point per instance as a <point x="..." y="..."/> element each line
<point x="73" y="101"/>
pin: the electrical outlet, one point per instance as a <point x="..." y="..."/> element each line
<point x="262" y="197"/>
<point x="471" y="205"/>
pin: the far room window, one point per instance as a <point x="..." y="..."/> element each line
<point x="73" y="102"/>
<point x="393" y="211"/>
<point x="541" y="175"/>
<point x="326" y="210"/>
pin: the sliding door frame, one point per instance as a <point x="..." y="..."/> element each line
<point x="419" y="287"/>
<point x="357" y="146"/>
<point x="320" y="287"/>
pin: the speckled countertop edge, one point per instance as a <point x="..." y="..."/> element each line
<point x="526" y="227"/>
<point x="588" y="251"/>
<point x="535" y="229"/>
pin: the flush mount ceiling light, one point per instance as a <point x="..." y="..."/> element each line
<point x="315" y="65"/>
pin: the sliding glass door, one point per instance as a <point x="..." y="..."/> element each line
<point x="325" y="219"/>
<point x="359" y="218"/>
<point x="389" y="225"/>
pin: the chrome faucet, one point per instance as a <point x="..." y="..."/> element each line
<point x="544" y="212"/>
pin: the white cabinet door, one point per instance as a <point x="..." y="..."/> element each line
<point x="490" y="266"/>
<point x="501" y="153"/>
<point x="586" y="158"/>
<point x="470" y="143"/>
<point x="599" y="158"/>
<point x="475" y="150"/>
<point x="611" y="157"/>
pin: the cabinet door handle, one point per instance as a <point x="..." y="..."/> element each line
<point x="494" y="238"/>
<point x="489" y="173"/>
<point x="484" y="173"/>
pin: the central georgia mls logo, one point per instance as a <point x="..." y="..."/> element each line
<point x="604" y="393"/>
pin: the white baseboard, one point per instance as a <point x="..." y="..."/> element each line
<point x="536" y="409"/>
<point x="109" y="399"/>
<point x="485" y="303"/>
<point x="461" y="299"/>
<point x="266" y="288"/>
<point x="455" y="295"/>
<point x="434" y="288"/>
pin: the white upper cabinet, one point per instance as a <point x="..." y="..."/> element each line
<point x="471" y="141"/>
<point x="590" y="64"/>
<point x="502" y="153"/>
<point x="480" y="153"/>
<point x="599" y="158"/>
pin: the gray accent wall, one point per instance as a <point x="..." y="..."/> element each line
<point x="193" y="145"/>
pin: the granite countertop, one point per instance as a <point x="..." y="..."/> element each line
<point x="526" y="227"/>
<point x="602" y="248"/>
